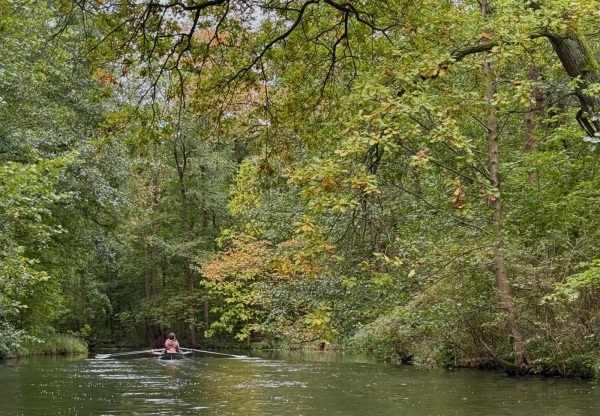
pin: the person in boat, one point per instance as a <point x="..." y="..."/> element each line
<point x="171" y="344"/>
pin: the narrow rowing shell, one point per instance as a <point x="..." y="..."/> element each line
<point x="171" y="356"/>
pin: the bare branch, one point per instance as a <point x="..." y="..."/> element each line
<point x="196" y="7"/>
<point x="462" y="53"/>
<point x="439" y="210"/>
<point x="279" y="38"/>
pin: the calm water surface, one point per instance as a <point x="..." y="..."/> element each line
<point x="308" y="384"/>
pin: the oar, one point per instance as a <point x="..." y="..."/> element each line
<point x="216" y="353"/>
<point x="115" y="354"/>
<point x="123" y="354"/>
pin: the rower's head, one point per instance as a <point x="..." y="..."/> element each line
<point x="171" y="335"/>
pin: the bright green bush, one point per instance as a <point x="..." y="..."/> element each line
<point x="53" y="344"/>
<point x="9" y="341"/>
<point x="16" y="343"/>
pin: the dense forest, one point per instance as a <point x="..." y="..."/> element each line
<point x="415" y="179"/>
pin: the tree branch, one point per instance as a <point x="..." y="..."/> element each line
<point x="279" y="38"/>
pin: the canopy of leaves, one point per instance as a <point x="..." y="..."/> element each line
<point x="305" y="172"/>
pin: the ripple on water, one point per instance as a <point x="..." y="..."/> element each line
<point x="164" y="401"/>
<point x="271" y="384"/>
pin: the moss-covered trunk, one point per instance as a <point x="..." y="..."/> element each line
<point x="578" y="60"/>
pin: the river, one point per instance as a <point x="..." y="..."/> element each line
<point x="273" y="383"/>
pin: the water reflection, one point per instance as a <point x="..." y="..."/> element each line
<point x="276" y="383"/>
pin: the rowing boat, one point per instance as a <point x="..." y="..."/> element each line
<point x="172" y="355"/>
<point x="161" y="354"/>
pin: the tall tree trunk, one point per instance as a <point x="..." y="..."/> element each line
<point x="375" y="248"/>
<point x="148" y="290"/>
<point x="206" y="322"/>
<point x="207" y="223"/>
<point x="373" y="158"/>
<point x="506" y="299"/>
<point x="151" y="247"/>
<point x="533" y="111"/>
<point x="154" y="249"/>
<point x="189" y="274"/>
<point x="238" y="151"/>
<point x="148" y="274"/>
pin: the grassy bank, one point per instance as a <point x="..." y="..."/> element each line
<point x="49" y="344"/>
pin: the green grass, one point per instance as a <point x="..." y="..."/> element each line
<point x="52" y="344"/>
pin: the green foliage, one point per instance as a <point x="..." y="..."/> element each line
<point x="233" y="280"/>
<point x="573" y="286"/>
<point x="27" y="195"/>
<point x="52" y="344"/>
<point x="320" y="176"/>
<point x="51" y="178"/>
<point x="10" y="339"/>
<point x="17" y="343"/>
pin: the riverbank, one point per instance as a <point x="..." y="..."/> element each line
<point x="49" y="344"/>
<point x="583" y="366"/>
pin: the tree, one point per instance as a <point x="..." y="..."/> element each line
<point x="54" y="177"/>
<point x="388" y="123"/>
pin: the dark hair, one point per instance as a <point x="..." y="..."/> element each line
<point x="171" y="336"/>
